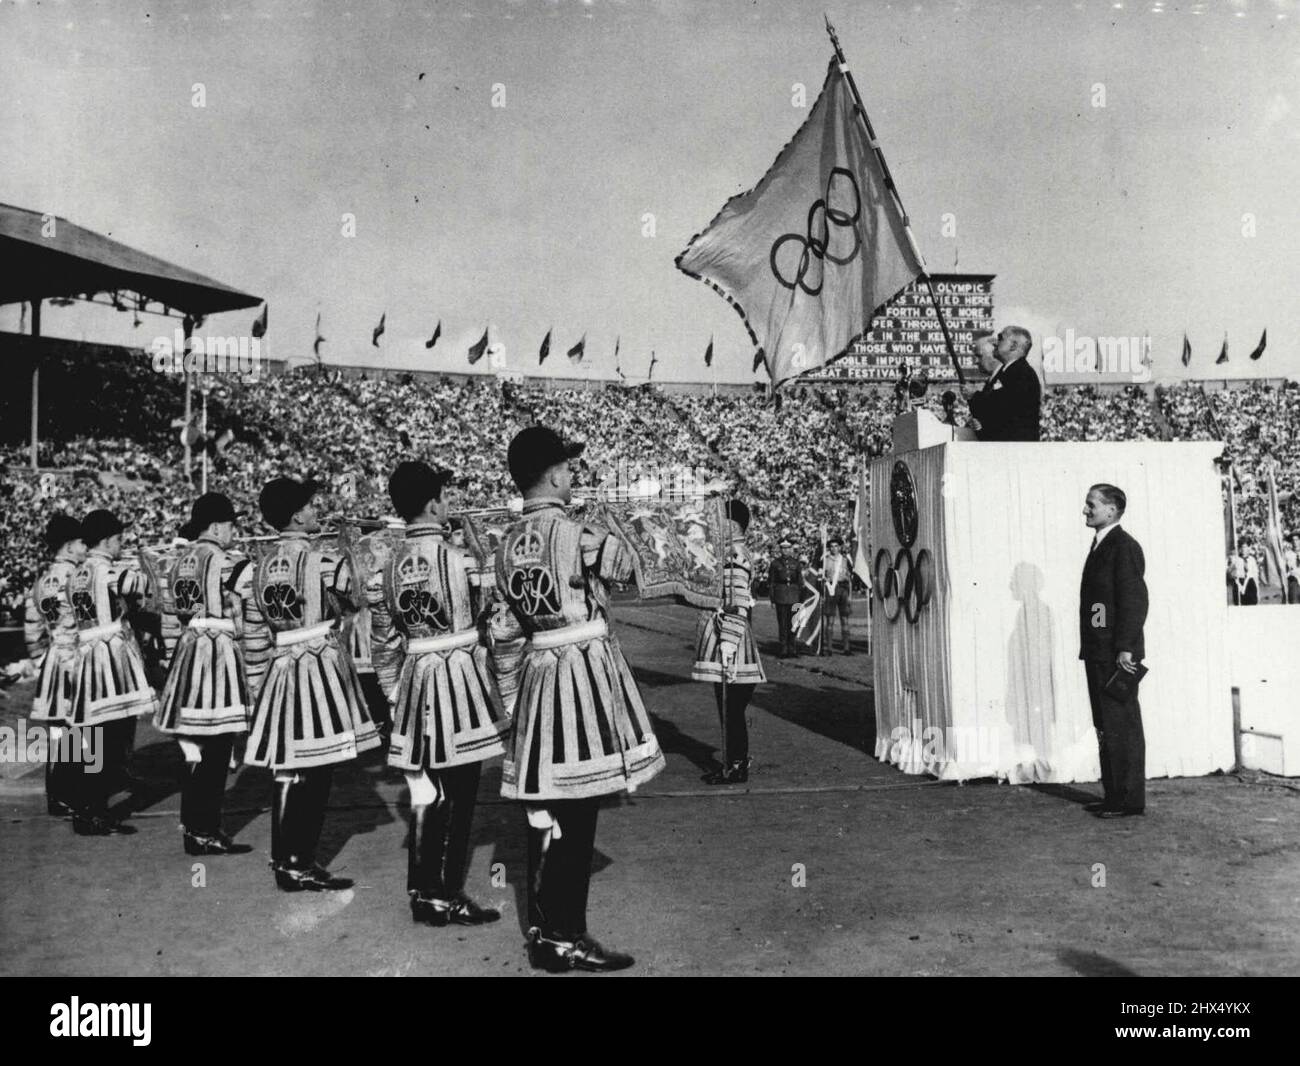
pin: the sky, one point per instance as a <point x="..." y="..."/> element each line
<point x="1170" y="209"/>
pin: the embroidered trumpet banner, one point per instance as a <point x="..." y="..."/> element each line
<point x="674" y="545"/>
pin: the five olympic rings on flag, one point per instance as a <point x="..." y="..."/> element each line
<point x="815" y="244"/>
<point x="902" y="584"/>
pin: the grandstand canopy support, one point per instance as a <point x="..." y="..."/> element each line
<point x="49" y="257"/>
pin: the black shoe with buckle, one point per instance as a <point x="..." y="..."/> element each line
<point x="309" y="879"/>
<point x="735" y="772"/>
<point x="428" y="911"/>
<point x="588" y="954"/>
<point x="97" y="825"/>
<point x="57" y="808"/>
<point x="548" y="953"/>
<point x="464" y="911"/>
<point x="213" y="844"/>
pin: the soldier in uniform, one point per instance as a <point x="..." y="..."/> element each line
<point x="50" y="630"/>
<point x="580" y="730"/>
<point x="112" y="683"/>
<point x="724" y="647"/>
<point x="784" y="589"/>
<point x="205" y="702"/>
<point x="447" y="714"/>
<point x="310" y="713"/>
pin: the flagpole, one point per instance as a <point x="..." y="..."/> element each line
<point x="1232" y="505"/>
<point x="724" y="554"/>
<point x="898" y="200"/>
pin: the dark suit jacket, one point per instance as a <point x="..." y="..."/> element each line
<point x="1011" y="411"/>
<point x="1113" y="599"/>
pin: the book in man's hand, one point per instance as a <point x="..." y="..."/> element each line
<point x="1122" y="685"/>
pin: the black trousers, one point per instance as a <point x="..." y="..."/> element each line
<point x="784" y="629"/>
<point x="559" y="870"/>
<point x="297" y="817"/>
<point x="438" y="859"/>
<point x="1120" y="742"/>
<point x="376" y="701"/>
<point x="122" y="733"/>
<point x="733" y="723"/>
<point x="204" y="790"/>
<point x="92" y="783"/>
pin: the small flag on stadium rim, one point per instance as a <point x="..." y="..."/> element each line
<point x="545" y="349"/>
<point x="758" y="359"/>
<point x="653" y="359"/>
<point x="1187" y="350"/>
<point x="708" y="353"/>
<point x="1259" y="348"/>
<point x="315" y="345"/>
<point x="437" y="332"/>
<point x="808" y="255"/>
<point x="578" y="350"/>
<point x="259" y="325"/>
<point x="1223" y="352"/>
<point x="378" y="331"/>
<point x="618" y="365"/>
<point x="480" y="346"/>
<point x="617" y="341"/>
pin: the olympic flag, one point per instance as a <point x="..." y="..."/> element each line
<point x="808" y="255"/>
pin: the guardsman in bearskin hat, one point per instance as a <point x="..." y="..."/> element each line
<point x="580" y="729"/>
<point x="725" y="650"/>
<point x="310" y="714"/>
<point x="205" y="702"/>
<point x="51" y="632"/>
<point x="112" y="683"/>
<point x="447" y="713"/>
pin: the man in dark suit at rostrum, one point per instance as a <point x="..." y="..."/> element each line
<point x="1112" y="612"/>
<point x="1007" y="408"/>
<point x="785" y="589"/>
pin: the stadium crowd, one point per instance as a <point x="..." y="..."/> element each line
<point x="110" y="439"/>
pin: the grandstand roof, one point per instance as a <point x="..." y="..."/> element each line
<point x="73" y="260"/>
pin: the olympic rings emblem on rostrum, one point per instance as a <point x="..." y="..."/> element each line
<point x="903" y="584"/>
<point x="815" y="243"/>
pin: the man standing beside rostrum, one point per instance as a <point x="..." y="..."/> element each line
<point x="1112" y="613"/>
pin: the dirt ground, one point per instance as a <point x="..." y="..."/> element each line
<point x="828" y="862"/>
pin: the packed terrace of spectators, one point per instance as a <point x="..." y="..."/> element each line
<point x="109" y="440"/>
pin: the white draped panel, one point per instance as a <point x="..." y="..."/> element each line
<point x="988" y="683"/>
